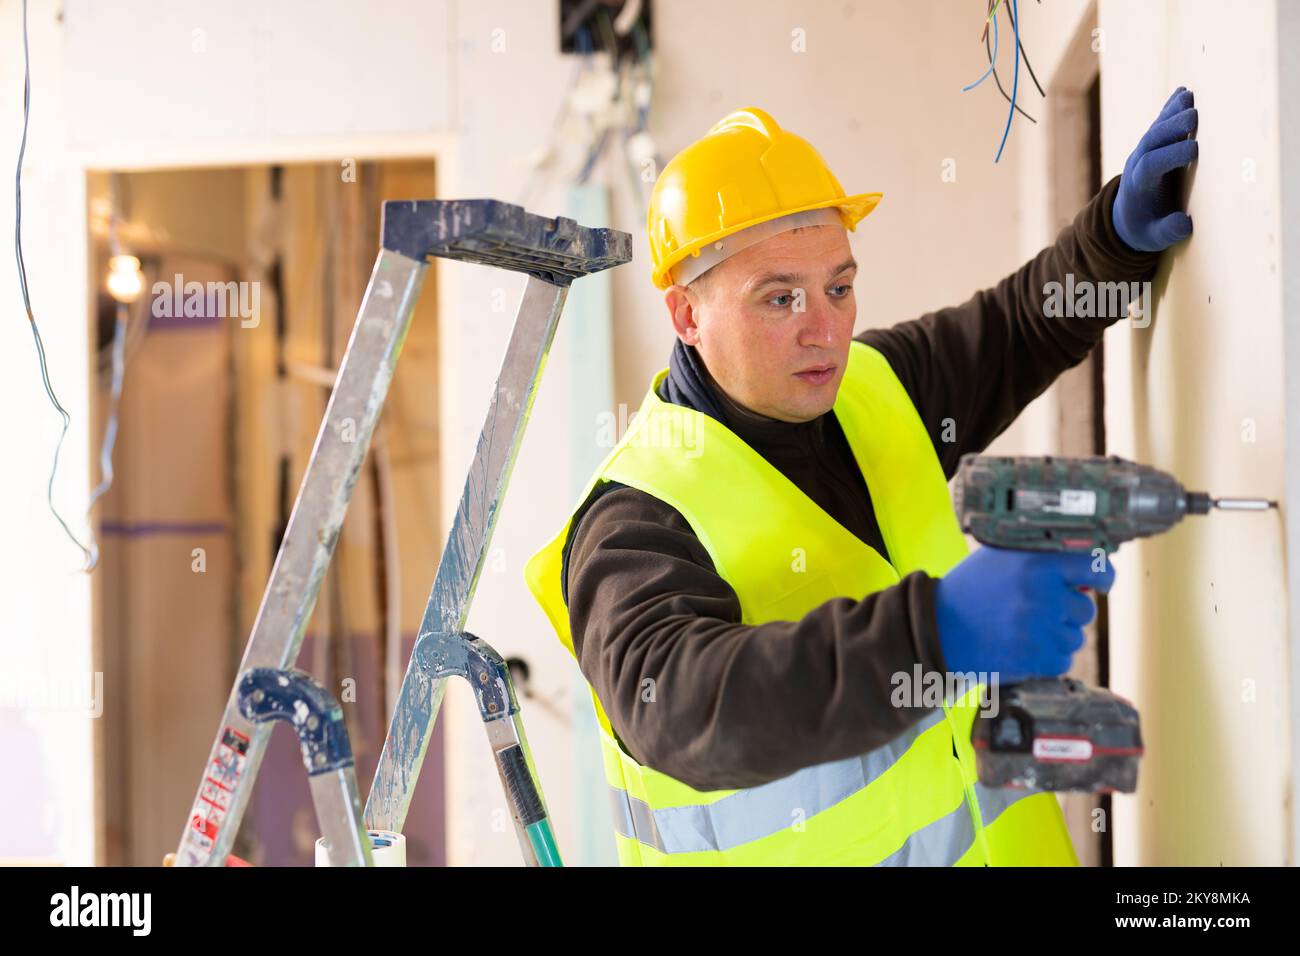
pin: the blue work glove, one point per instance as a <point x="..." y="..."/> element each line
<point x="1016" y="613"/>
<point x="1148" y="210"/>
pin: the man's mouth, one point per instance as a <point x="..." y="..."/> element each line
<point x="816" y="374"/>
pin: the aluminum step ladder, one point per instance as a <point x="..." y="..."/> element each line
<point x="552" y="253"/>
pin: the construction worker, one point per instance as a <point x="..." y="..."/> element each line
<point x="771" y="545"/>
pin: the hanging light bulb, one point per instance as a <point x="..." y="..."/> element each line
<point x="125" y="283"/>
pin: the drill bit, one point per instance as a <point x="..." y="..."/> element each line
<point x="1199" y="503"/>
<point x="1244" y="504"/>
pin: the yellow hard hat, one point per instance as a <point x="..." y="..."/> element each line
<point x="746" y="170"/>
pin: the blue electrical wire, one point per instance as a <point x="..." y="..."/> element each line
<point x="1012" y="11"/>
<point x="1015" y="80"/>
<point x="992" y="60"/>
<point x="27" y="300"/>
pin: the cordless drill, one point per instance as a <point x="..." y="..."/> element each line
<point x="1058" y="733"/>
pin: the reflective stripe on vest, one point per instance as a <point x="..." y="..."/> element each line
<point x="941" y="843"/>
<point x="766" y="810"/>
<point x="757" y="812"/>
<point x="912" y="801"/>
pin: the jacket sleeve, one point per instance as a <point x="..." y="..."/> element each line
<point x="692" y="692"/>
<point x="971" y="369"/>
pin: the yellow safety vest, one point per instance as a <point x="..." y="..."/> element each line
<point x="914" y="801"/>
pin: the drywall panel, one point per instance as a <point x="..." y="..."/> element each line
<point x="1198" y="616"/>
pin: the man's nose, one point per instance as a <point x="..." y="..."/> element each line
<point x="818" y="321"/>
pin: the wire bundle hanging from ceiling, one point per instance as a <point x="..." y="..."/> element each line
<point x="606" y="102"/>
<point x="992" y="53"/>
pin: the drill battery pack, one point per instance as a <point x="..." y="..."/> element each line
<point x="1059" y="734"/>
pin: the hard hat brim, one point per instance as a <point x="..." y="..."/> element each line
<point x="853" y="209"/>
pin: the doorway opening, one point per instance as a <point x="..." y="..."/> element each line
<point x="249" y="281"/>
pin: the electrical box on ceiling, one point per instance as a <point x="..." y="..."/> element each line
<point x="620" y="26"/>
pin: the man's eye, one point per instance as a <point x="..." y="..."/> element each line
<point x="776" y="300"/>
<point x="843" y="289"/>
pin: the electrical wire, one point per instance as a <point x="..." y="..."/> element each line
<point x="992" y="56"/>
<point x="607" y="33"/>
<point x="540" y="176"/>
<point x="642" y="40"/>
<point x="985" y="33"/>
<point x="110" y="428"/>
<point x="573" y="22"/>
<point x="589" y="47"/>
<point x="628" y="17"/>
<point x="991" y="17"/>
<point x="1028" y="66"/>
<point x="593" y="154"/>
<point x="27" y="299"/>
<point x="631" y="72"/>
<point x="992" y="68"/>
<point x="998" y="80"/>
<point x="1015" y="84"/>
<point x="643" y="65"/>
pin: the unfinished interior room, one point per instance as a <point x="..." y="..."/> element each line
<point x="776" y="434"/>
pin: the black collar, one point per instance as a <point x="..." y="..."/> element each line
<point x="689" y="384"/>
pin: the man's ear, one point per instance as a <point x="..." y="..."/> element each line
<point x="682" y="307"/>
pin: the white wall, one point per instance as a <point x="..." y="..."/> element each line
<point x="47" y="809"/>
<point x="1198" y="616"/>
<point x="1288" y="38"/>
<point x="1042" y="211"/>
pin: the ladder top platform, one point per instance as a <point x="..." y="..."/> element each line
<point x="500" y="234"/>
